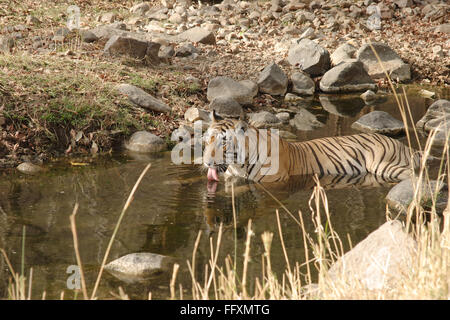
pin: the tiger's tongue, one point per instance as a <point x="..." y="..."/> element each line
<point x="212" y="174"/>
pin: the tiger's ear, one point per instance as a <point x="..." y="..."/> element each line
<point x="214" y="116"/>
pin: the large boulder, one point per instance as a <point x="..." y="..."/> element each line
<point x="309" y="57"/>
<point x="145" y="142"/>
<point x="198" y="34"/>
<point x="348" y="76"/>
<point x="391" y="61"/>
<point x="142" y="98"/>
<point x="273" y="80"/>
<point x="305" y="121"/>
<point x="379" y="262"/>
<point x="379" y="122"/>
<point x="242" y="91"/>
<point x="302" y="84"/>
<point x="437" y="118"/>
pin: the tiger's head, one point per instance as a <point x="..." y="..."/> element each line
<point x="224" y="151"/>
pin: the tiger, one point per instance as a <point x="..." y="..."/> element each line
<point x="353" y="155"/>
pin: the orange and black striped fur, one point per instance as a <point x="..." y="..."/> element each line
<point x="347" y="155"/>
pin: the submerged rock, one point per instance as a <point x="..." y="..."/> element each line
<point x="29" y="168"/>
<point x="379" y="262"/>
<point x="145" y="142"/>
<point x="343" y="106"/>
<point x="379" y="122"/>
<point x="140" y="266"/>
<point x="306" y="121"/>
<point x="402" y="194"/>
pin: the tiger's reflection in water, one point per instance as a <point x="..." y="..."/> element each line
<point x="250" y="198"/>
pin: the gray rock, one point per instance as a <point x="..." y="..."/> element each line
<point x="402" y="195"/>
<point x="142" y="98"/>
<point x="309" y="57"/>
<point x="443" y="28"/>
<point x="145" y="142"/>
<point x="186" y="50"/>
<point x="263" y="119"/>
<point x="347" y="77"/>
<point x="305" y="121"/>
<point x="437" y="118"/>
<point x="343" y="106"/>
<point x="379" y="122"/>
<point x="6" y="44"/>
<point x="343" y="52"/>
<point x="29" y="168"/>
<point x="242" y="91"/>
<point x="108" y="17"/>
<point x="118" y="45"/>
<point x="284" y="117"/>
<point x="193" y="114"/>
<point x="226" y="107"/>
<point x="403" y="3"/>
<point x="393" y="64"/>
<point x="140" y="8"/>
<point x="198" y="34"/>
<point x="287" y="135"/>
<point x="140" y="266"/>
<point x="369" y="96"/>
<point x="379" y="262"/>
<point x="273" y="80"/>
<point x="166" y="52"/>
<point x="88" y="36"/>
<point x="32" y="20"/>
<point x="302" y="84"/>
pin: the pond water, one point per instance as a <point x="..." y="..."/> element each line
<point x="169" y="209"/>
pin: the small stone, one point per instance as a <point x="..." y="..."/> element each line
<point x="443" y="28"/>
<point x="29" y="168"/>
<point x="186" y="50"/>
<point x="88" y="36"/>
<point x="379" y="122"/>
<point x="142" y="98"/>
<point x="284" y="117"/>
<point x="290" y="97"/>
<point x="427" y="94"/>
<point x="108" y="17"/>
<point x="32" y="20"/>
<point x="140" y="8"/>
<point x="6" y="44"/>
<point x="368" y="96"/>
<point x="145" y="142"/>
